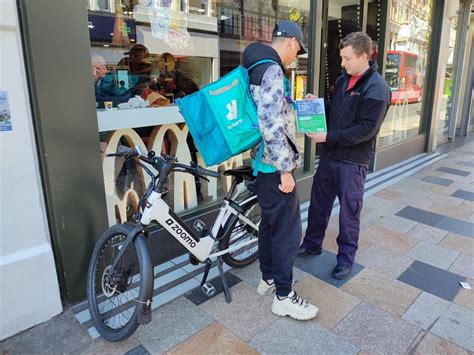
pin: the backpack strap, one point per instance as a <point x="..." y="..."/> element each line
<point x="258" y="159"/>
<point x="262" y="61"/>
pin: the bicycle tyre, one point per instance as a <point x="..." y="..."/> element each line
<point x="95" y="299"/>
<point x="251" y="209"/>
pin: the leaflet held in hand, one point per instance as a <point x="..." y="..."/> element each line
<point x="311" y="117"/>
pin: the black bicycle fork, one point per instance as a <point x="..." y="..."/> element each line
<point x="139" y="236"/>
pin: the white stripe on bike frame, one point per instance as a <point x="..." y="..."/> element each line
<point x="25" y="254"/>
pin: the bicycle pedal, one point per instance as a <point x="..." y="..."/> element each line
<point x="208" y="289"/>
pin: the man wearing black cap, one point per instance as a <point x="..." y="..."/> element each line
<point x="280" y="228"/>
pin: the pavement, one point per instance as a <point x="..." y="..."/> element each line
<point x="403" y="296"/>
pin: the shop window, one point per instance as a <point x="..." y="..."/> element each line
<point x="147" y="53"/>
<point x="407" y="50"/>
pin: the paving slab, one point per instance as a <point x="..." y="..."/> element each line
<point x="197" y="297"/>
<point x="321" y="266"/>
<point x="377" y="289"/>
<point x="287" y="336"/>
<point x="456" y="325"/>
<point x="59" y="334"/>
<point x="426" y="310"/>
<point x="383" y="260"/>
<point x="388" y="194"/>
<point x="432" y="344"/>
<point x="389" y="239"/>
<point x="128" y="346"/>
<point x="421" y="216"/>
<point x="438" y="282"/>
<point x="452" y="171"/>
<point x="428" y="233"/>
<point x="333" y="303"/>
<point x="368" y="328"/>
<point x="464" y="265"/>
<point x="214" y="339"/>
<point x="465" y="297"/>
<point x="448" y="211"/>
<point x="466" y="195"/>
<point x="139" y="350"/>
<point x="433" y="255"/>
<point x="171" y="324"/>
<point x="457" y="226"/>
<point x="248" y="313"/>
<point x="437" y="180"/>
<point x="395" y="223"/>
<point x="458" y="243"/>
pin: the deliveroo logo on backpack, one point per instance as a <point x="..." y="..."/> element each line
<point x="232" y="107"/>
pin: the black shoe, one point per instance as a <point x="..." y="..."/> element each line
<point x="341" y="271"/>
<point x="304" y="251"/>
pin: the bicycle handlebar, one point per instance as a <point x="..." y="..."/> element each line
<point x="134" y="152"/>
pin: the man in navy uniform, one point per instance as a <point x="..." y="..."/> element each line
<point x="357" y="109"/>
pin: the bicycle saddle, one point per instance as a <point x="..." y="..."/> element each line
<point x="244" y="172"/>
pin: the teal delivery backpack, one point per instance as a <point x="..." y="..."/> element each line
<point x="222" y="116"/>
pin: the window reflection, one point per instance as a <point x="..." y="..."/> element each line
<point x="147" y="53"/>
<point x="408" y="42"/>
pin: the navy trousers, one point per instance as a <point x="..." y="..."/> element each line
<point x="346" y="181"/>
<point x="279" y="231"/>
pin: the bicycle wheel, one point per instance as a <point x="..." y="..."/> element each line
<point x="242" y="232"/>
<point x="112" y="297"/>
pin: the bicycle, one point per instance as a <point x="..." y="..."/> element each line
<point x="120" y="276"/>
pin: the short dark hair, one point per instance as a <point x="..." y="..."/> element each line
<point x="360" y="41"/>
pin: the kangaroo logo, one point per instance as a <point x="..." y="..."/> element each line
<point x="232" y="107"/>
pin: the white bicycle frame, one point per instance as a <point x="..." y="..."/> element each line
<point x="157" y="210"/>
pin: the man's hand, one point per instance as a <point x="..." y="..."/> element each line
<point x="310" y="97"/>
<point x="317" y="137"/>
<point x="287" y="183"/>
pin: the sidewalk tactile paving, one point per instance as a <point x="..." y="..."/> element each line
<point x="287" y="336"/>
<point x="377" y="331"/>
<point x="438" y="282"/>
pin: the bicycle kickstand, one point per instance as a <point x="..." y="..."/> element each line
<point x="228" y="297"/>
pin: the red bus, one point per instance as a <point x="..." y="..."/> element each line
<point x="403" y="77"/>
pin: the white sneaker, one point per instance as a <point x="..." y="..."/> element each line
<point x="294" y="306"/>
<point x="266" y="287"/>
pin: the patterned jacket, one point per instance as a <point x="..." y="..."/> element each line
<point x="276" y="117"/>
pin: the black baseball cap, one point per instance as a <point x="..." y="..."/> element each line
<point x="290" y="29"/>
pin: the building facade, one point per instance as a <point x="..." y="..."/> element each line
<point x="85" y="68"/>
